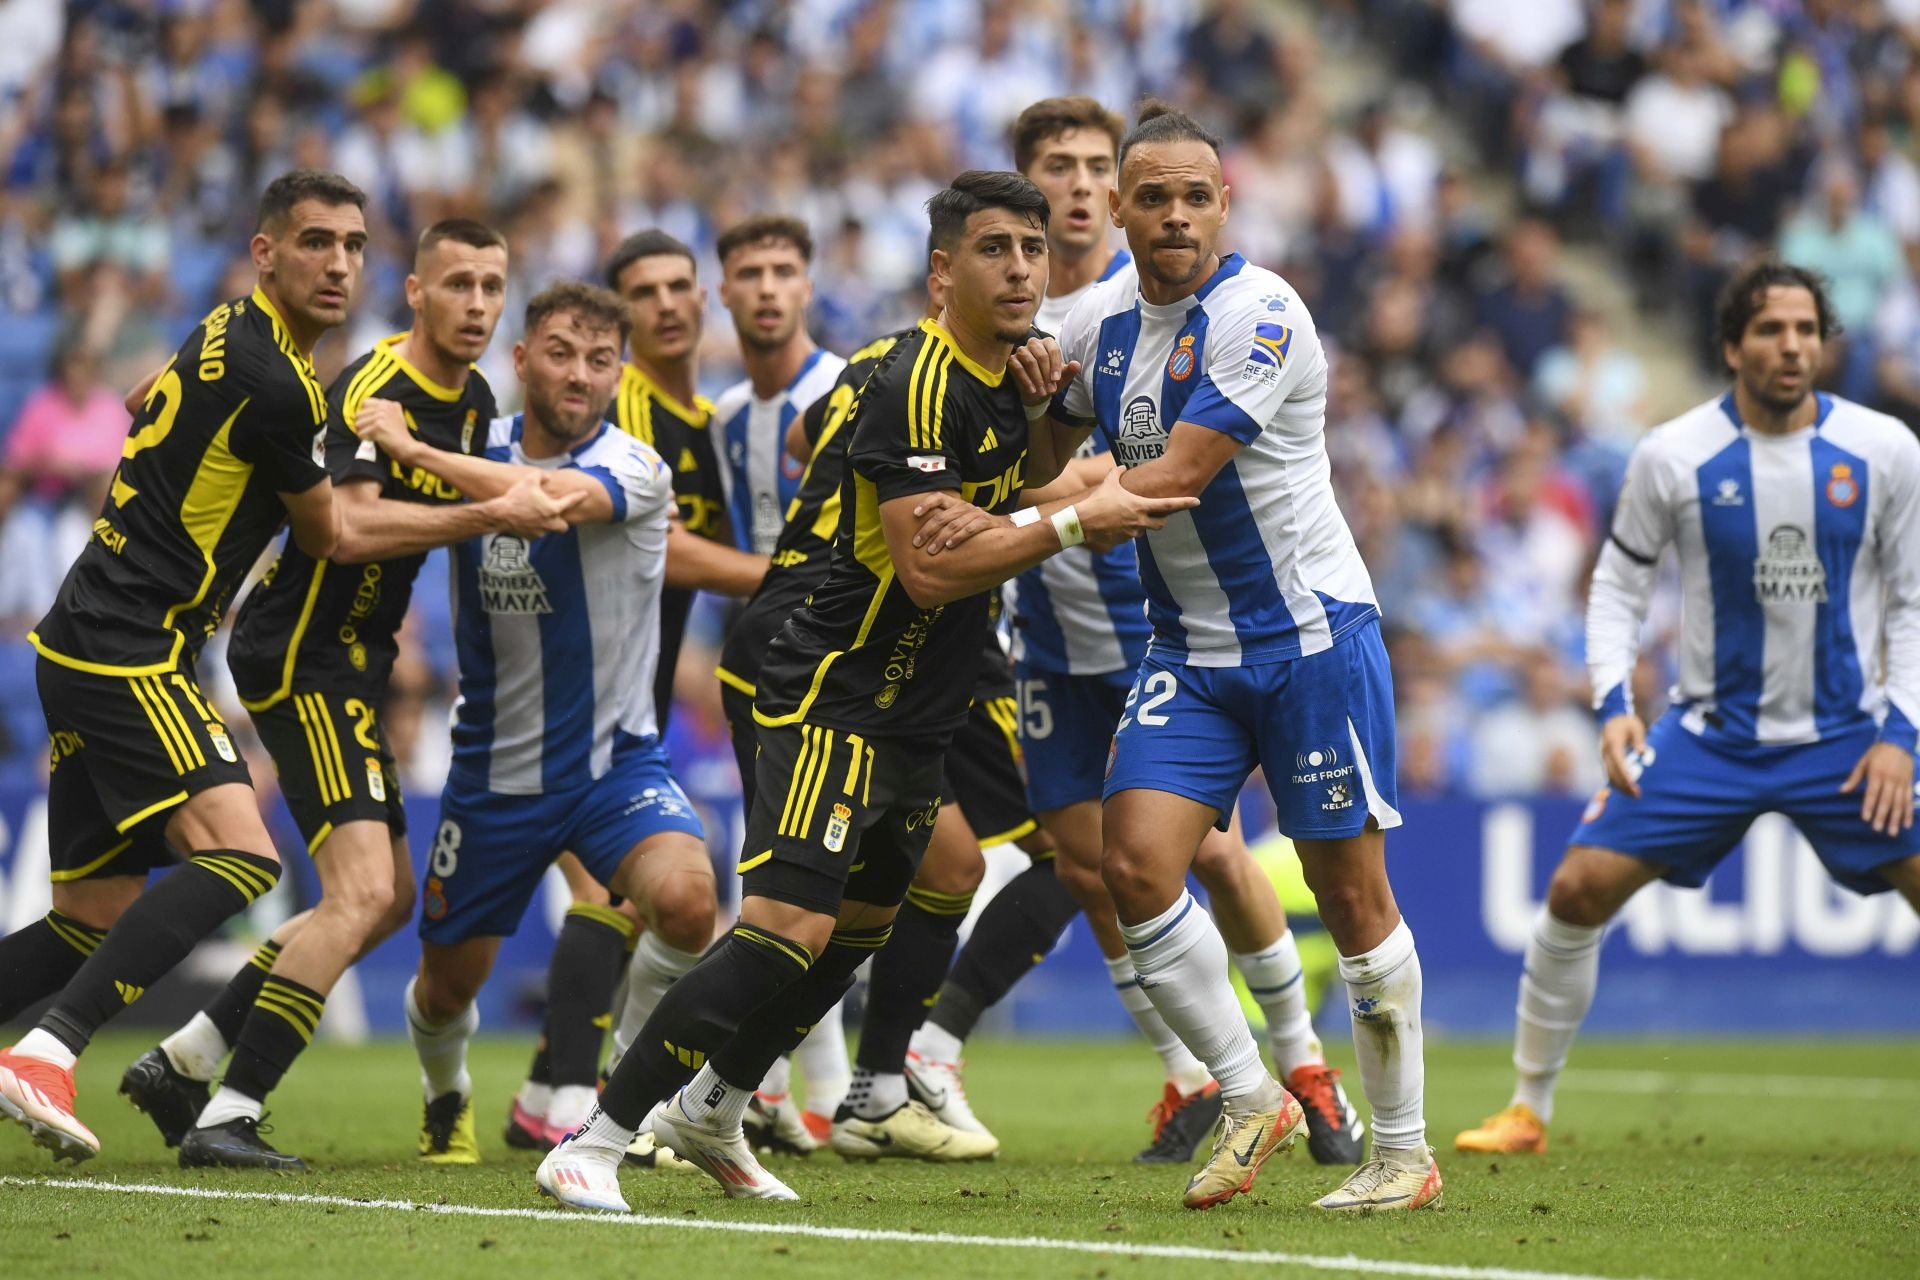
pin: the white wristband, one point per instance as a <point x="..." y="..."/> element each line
<point x="1067" y="524"/>
<point x="1026" y="516"/>
<point x="1035" y="412"/>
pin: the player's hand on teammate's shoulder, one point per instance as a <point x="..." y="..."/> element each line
<point x="1887" y="803"/>
<point x="947" y="520"/>
<point x="1040" y="369"/>
<point x="530" y="510"/>
<point x="1622" y="740"/>
<point x="1113" y="513"/>
<point x="385" y="424"/>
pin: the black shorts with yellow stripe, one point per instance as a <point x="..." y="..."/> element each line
<point x="839" y="817"/>
<point x="986" y="772"/>
<point x="126" y="751"/>
<point x="333" y="760"/>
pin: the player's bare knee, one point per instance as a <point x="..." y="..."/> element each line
<point x="96" y="903"/>
<point x="1579" y="894"/>
<point x="1082" y="882"/>
<point x="444" y="996"/>
<point x="684" y="910"/>
<point x="1138" y="890"/>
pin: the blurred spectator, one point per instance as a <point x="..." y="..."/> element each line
<point x="1576" y="147"/>
<point x="1529" y="313"/>
<point x="1541" y="741"/>
<point x="105" y="230"/>
<point x="1599" y="387"/>
<point x="61" y="452"/>
<point x="1386" y="174"/>
<point x="1862" y="262"/>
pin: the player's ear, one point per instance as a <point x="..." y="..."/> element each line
<point x="520" y="360"/>
<point x="260" y="249"/>
<point x="413" y="291"/>
<point x="1226" y="192"/>
<point x="1113" y="205"/>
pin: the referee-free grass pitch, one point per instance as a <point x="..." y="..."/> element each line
<point x="1721" y="1169"/>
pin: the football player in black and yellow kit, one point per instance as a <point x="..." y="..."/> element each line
<point x="985" y="791"/>
<point x="861" y="694"/>
<point x="224" y="448"/>
<point x="313" y="647"/>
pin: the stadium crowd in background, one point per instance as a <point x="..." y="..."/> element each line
<point x="1479" y="419"/>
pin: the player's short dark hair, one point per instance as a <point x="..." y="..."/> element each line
<point x="290" y="188"/>
<point x="1746" y="293"/>
<point x="600" y="308"/>
<point x="1051" y="117"/>
<point x="475" y="235"/>
<point x="651" y="243"/>
<point x="977" y="189"/>
<point x="761" y="228"/>
<point x="1158" y="121"/>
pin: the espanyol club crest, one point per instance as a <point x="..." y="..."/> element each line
<point x="1180" y="363"/>
<point x="1842" y="489"/>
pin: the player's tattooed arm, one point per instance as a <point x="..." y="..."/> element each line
<point x="1103" y="518"/>
<point x="583" y="499"/>
<point x="375" y="528"/>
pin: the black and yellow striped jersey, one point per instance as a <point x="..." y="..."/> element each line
<point x="861" y="655"/>
<point x="232" y="421"/>
<point x="681" y="435"/>
<point x="316" y="625"/>
<point x="799" y="562"/>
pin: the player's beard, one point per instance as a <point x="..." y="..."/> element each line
<point x="563" y="424"/>
<point x="1151" y="266"/>
<point x="754" y="341"/>
<point x="1780" y="405"/>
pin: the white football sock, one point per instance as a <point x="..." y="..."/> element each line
<point x="47" y="1047"/>
<point x="1278" y="985"/>
<point x="655" y="967"/>
<point x="875" y="1095"/>
<point x="936" y="1044"/>
<point x="779" y="1081"/>
<point x="1383" y="994"/>
<point x="442" y="1050"/>
<point x="603" y="1133"/>
<point x="1184" y="1071"/>
<point x="196" y="1049"/>
<point x="570" y="1106"/>
<point x="1182" y="962"/>
<point x="227" y="1104"/>
<point x="710" y="1101"/>
<point x="1556" y="989"/>
<point x="824" y="1066"/>
<point x="534" y="1099"/>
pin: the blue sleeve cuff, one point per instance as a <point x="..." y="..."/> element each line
<point x="1899" y="730"/>
<point x="1058" y="408"/>
<point x="1212" y="408"/>
<point x="1614" y="704"/>
<point x="614" y="491"/>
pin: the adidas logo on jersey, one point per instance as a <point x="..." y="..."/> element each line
<point x="989" y="444"/>
<point x="508" y="581"/>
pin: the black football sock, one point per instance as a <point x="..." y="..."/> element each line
<point x="907" y="974"/>
<point x="698" y="1014"/>
<point x="228" y="1011"/>
<point x="40" y="959"/>
<point x="284" y="1017"/>
<point x="588" y="958"/>
<point x="153" y="935"/>
<point x="1015" y="931"/>
<point x="779" y="1026"/>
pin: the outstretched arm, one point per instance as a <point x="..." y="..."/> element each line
<point x="376" y="528"/>
<point x="481" y="479"/>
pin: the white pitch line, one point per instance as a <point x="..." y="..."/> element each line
<point x="1349" y="1263"/>
<point x="1734" y="1084"/>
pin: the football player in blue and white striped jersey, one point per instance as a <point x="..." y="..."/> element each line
<point x="1795" y="516"/>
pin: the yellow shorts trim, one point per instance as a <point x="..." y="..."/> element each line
<point x="81" y="873"/>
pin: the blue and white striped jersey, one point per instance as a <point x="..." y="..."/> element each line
<point x="558" y="639"/>
<point x="760" y="476"/>
<point x="1265" y="567"/>
<point x="1082" y="612"/>
<point x="1799" y="569"/>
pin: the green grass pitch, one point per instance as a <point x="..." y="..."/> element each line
<point x="1708" y="1158"/>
